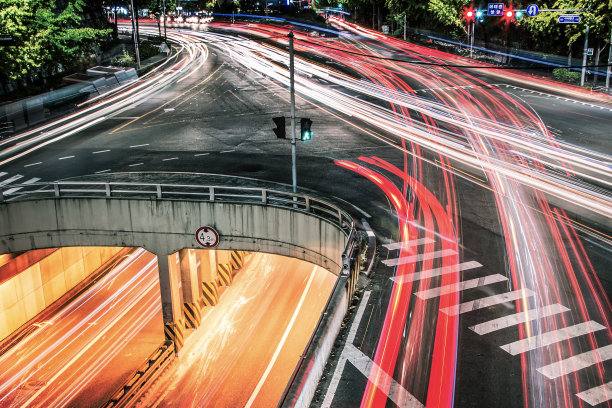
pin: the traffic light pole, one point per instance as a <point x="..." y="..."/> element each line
<point x="584" y="55"/>
<point x="292" y="88"/>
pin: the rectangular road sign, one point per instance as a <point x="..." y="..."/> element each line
<point x="495" y="9"/>
<point x="569" y="18"/>
<point x="590" y="51"/>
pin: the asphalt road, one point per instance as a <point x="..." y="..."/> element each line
<point x="218" y="120"/>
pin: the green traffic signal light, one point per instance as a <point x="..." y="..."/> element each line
<point x="305" y="132"/>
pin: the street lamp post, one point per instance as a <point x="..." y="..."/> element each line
<point x="292" y="92"/>
<point x="164" y="13"/>
<point x="135" y="35"/>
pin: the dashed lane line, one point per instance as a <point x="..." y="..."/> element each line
<point x="170" y="158"/>
<point x="135" y="164"/>
<point x="139" y="145"/>
<point x="65" y="158"/>
<point x="32" y="164"/>
<point x="101" y="151"/>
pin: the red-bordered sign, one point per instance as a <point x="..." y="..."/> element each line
<point x="207" y="237"/>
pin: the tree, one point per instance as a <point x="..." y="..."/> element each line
<point x="46" y="39"/>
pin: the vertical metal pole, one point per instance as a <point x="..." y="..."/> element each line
<point x="584" y="55"/>
<point x="472" y="38"/>
<point x="165" y="37"/>
<point x="609" y="69"/>
<point x="404" y="26"/>
<point x="134" y="35"/>
<point x="292" y="82"/>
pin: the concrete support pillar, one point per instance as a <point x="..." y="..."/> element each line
<point x="208" y="274"/>
<point x="192" y="293"/>
<point x="171" y="298"/>
<point x="224" y="268"/>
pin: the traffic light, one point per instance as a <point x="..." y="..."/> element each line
<point x="279" y="131"/>
<point x="305" y="132"/>
<point x="468" y="14"/>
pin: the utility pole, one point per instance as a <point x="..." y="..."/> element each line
<point x="135" y="35"/>
<point x="584" y="51"/>
<point x="164" y="12"/>
<point x="609" y="68"/>
<point x="472" y="38"/>
<point x="292" y="90"/>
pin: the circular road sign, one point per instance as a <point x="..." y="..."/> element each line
<point x="532" y="10"/>
<point x="207" y="237"/>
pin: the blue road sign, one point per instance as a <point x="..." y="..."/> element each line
<point x="532" y="10"/>
<point x="495" y="9"/>
<point x="569" y="18"/>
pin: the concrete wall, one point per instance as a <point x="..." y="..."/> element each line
<point x="166" y="226"/>
<point x="26" y="294"/>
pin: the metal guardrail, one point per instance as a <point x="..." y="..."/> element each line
<point x="213" y="193"/>
<point x="130" y="393"/>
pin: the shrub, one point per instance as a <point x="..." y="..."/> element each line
<point x="123" y="60"/>
<point x="564" y="74"/>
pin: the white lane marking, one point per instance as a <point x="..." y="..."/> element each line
<point x="551" y="337"/>
<point x="597" y="395"/>
<point x="125" y="117"/>
<point x="10" y="180"/>
<point x="140" y="145"/>
<point x="280" y="345"/>
<point x="419" y="257"/>
<point x="518" y="318"/>
<point x="101" y="151"/>
<point x="577" y="362"/>
<point x="201" y="154"/>
<point x="383" y="381"/>
<point x="171" y="158"/>
<point x="135" y="164"/>
<point x="103" y="171"/>
<point x="486" y="302"/>
<point x="460" y="286"/>
<point x="169" y="110"/>
<point x="226" y="151"/>
<point x="430" y="273"/>
<point x="333" y="384"/>
<point x="12" y="190"/>
<point x="409" y="244"/>
<point x="32" y="164"/>
<point x="3" y="173"/>
<point x="65" y="157"/>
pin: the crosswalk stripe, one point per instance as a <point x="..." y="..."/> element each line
<point x="517" y="318"/>
<point x="486" y="302"/>
<point x="459" y="286"/>
<point x="3" y="173"/>
<point x="597" y="395"/>
<point x="12" y="190"/>
<point x="408" y="244"/>
<point x="10" y="180"/>
<point x="551" y="337"/>
<point x="419" y="257"/>
<point x="577" y="362"/>
<point x="430" y="273"/>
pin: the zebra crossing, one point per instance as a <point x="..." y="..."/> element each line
<point x="552" y="371"/>
<point x="12" y="184"/>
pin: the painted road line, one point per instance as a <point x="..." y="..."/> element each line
<point x="135" y="164"/>
<point x="65" y="157"/>
<point x="597" y="395"/>
<point x="12" y="190"/>
<point x="408" y="244"/>
<point x="430" y="273"/>
<point x="335" y="380"/>
<point x="170" y="158"/>
<point x="140" y="145"/>
<point x="10" y="180"/>
<point x="551" y="337"/>
<point x="201" y="154"/>
<point x="280" y="345"/>
<point x="103" y="171"/>
<point x="486" y="302"/>
<point x="3" y="173"/>
<point x="518" y="318"/>
<point x="101" y="151"/>
<point x="419" y="257"/>
<point x="169" y="110"/>
<point x="577" y="362"/>
<point x="226" y="151"/>
<point x="32" y="164"/>
<point x="460" y="286"/>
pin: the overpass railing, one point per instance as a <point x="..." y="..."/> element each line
<point x="213" y="193"/>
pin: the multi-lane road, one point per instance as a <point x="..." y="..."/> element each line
<point x="488" y="191"/>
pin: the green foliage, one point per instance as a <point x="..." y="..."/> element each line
<point x="564" y="74"/>
<point x="123" y="60"/>
<point x="449" y="13"/>
<point x="45" y="38"/>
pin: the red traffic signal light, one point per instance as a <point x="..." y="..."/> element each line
<point x="469" y="14"/>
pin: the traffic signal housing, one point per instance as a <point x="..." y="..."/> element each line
<point x="280" y="131"/>
<point x="305" y="132"/>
